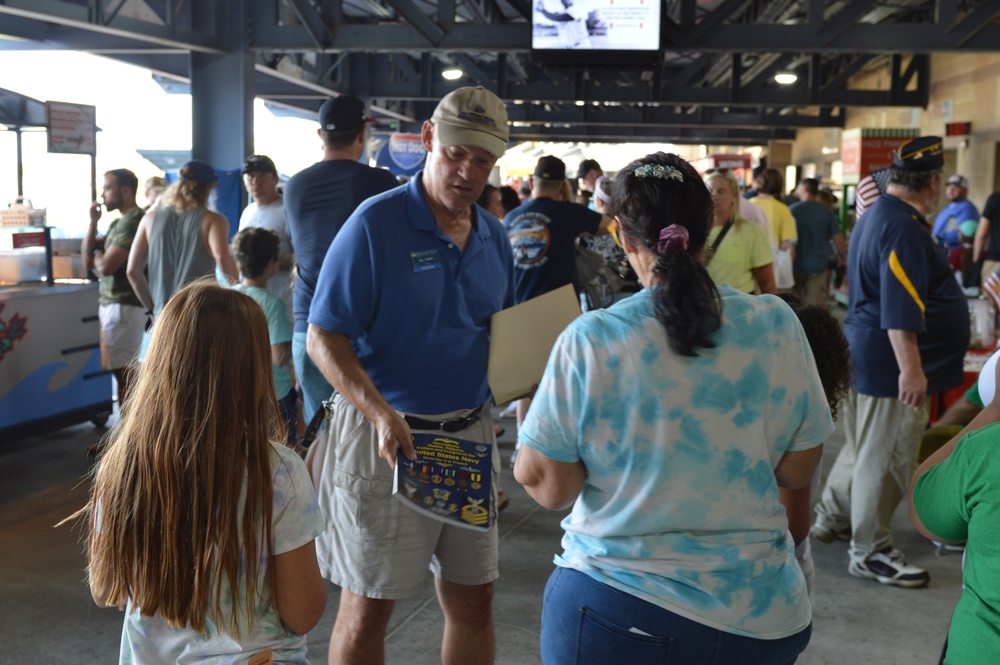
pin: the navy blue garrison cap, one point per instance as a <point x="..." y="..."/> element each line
<point x="924" y="153"/>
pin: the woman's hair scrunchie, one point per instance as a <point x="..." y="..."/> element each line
<point x="672" y="236"/>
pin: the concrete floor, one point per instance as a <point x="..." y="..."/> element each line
<point x="48" y="617"/>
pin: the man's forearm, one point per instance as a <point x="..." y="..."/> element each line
<point x="904" y="347"/>
<point x="912" y="380"/>
<point x="333" y="354"/>
<point x="335" y="358"/>
<point x="88" y="245"/>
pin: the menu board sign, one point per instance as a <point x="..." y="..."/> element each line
<point x="72" y="128"/>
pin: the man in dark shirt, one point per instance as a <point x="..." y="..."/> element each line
<point x="816" y="227"/>
<point x="543" y="232"/>
<point x="318" y="200"/>
<point x="986" y="245"/>
<point x="908" y="329"/>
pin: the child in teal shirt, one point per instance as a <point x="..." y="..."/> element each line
<point x="256" y="253"/>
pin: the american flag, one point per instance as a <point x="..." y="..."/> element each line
<point x="991" y="287"/>
<point x="869" y="188"/>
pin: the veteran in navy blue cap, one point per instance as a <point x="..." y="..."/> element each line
<point x="908" y="329"/>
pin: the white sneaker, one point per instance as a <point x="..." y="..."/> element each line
<point x="889" y="567"/>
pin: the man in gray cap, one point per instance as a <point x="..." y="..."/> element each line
<point x="959" y="209"/>
<point x="908" y="329"/>
<point x="318" y="200"/>
<point x="399" y="325"/>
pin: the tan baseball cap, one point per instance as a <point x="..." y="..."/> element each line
<point x="472" y="116"/>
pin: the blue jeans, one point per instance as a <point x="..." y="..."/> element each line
<point x="315" y="387"/>
<point x="585" y="622"/>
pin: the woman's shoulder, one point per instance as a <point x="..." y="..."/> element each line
<point x="620" y="318"/>
<point x="743" y="310"/>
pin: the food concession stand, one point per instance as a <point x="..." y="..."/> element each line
<point x="50" y="370"/>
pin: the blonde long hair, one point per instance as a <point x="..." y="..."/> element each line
<point x="182" y="500"/>
<point x="186" y="194"/>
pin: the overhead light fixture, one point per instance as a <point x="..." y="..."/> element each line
<point x="453" y="74"/>
<point x="579" y="102"/>
<point x="786" y="78"/>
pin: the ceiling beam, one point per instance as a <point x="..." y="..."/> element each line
<point x="726" y="38"/>
<point x="78" y="16"/>
<point x="317" y="27"/>
<point x="428" y="29"/>
<point x="666" y="116"/>
<point x="689" y="135"/>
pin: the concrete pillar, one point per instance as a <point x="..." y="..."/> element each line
<point x="222" y="94"/>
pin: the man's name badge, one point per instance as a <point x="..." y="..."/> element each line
<point x="425" y="259"/>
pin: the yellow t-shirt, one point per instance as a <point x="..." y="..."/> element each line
<point x="780" y="222"/>
<point x="744" y="248"/>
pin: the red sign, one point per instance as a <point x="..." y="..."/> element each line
<point x="861" y="155"/>
<point x="730" y="162"/>
<point x="957" y="128"/>
<point x="32" y="239"/>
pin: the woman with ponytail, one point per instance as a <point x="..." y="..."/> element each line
<point x="668" y="423"/>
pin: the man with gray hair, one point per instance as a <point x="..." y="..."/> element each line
<point x="399" y="325"/>
<point x="908" y="329"/>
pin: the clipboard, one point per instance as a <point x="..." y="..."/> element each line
<point x="521" y="339"/>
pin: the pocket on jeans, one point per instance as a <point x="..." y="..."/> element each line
<point x="602" y="641"/>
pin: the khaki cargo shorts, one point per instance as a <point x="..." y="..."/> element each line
<point x="376" y="547"/>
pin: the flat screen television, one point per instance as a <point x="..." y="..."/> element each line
<point x="596" y="33"/>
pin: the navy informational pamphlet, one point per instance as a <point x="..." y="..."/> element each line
<point x="450" y="481"/>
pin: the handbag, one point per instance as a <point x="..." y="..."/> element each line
<point x="784" y="275"/>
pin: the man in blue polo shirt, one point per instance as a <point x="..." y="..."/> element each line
<point x="908" y="329"/>
<point x="318" y="200"/>
<point x="399" y="325"/>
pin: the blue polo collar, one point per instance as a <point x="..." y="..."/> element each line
<point x="423" y="220"/>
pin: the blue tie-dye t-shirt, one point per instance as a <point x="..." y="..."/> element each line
<point x="680" y="505"/>
<point x="295" y="520"/>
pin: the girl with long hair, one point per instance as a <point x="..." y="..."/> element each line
<point x="668" y="422"/>
<point x="200" y="524"/>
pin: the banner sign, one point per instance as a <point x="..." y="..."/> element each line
<point x="402" y="154"/>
